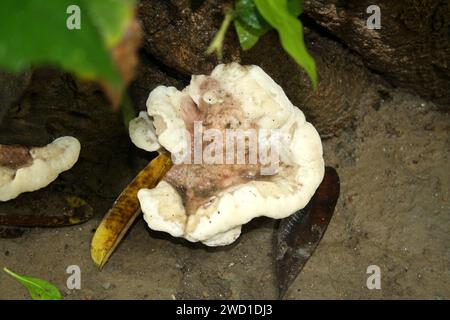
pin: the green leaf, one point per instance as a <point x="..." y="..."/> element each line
<point x="114" y="17"/>
<point x="35" y="32"/>
<point x="247" y="13"/>
<point x="247" y="36"/>
<point x="39" y="289"/>
<point x="290" y="30"/>
<point x="249" y="23"/>
<point x="295" y="7"/>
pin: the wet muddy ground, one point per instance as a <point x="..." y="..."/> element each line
<point x="394" y="212"/>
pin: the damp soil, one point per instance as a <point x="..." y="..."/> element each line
<point x="394" y="212"/>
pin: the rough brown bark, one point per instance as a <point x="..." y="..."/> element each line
<point x="178" y="33"/>
<point x="345" y="86"/>
<point x="412" y="48"/>
<point x="11" y="88"/>
<point x="150" y="75"/>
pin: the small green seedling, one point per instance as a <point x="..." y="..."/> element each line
<point x="253" y="18"/>
<point x="39" y="289"/>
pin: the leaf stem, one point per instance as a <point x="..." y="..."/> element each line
<point x="16" y="276"/>
<point x="217" y="42"/>
<point x="8" y="271"/>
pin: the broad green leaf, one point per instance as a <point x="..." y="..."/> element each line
<point x="290" y="30"/>
<point x="114" y="17"/>
<point x="249" y="16"/>
<point x="249" y="23"/>
<point x="247" y="36"/>
<point x="35" y="32"/>
<point x="39" y="289"/>
<point x="295" y="7"/>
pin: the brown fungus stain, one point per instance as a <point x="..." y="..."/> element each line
<point x="198" y="183"/>
<point x="15" y="157"/>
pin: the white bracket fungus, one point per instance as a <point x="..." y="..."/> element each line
<point x="210" y="202"/>
<point x="25" y="170"/>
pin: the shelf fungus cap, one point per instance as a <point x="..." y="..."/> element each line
<point x="208" y="202"/>
<point x="142" y="132"/>
<point x="25" y="169"/>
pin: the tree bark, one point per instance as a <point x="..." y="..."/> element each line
<point x="412" y="48"/>
<point x="12" y="87"/>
